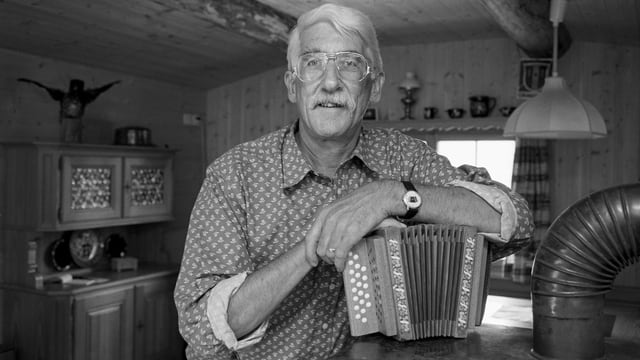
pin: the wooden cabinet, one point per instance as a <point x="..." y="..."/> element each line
<point x="130" y="317"/>
<point x="53" y="187"/>
<point x="103" y="325"/>
<point x="156" y="321"/>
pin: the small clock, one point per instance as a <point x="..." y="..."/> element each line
<point x="85" y="247"/>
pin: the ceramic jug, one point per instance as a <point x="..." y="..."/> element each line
<point x="430" y="112"/>
<point x="481" y="105"/>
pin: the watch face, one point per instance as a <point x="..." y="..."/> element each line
<point x="412" y="200"/>
<point x="85" y="247"/>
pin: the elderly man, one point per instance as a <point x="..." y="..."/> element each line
<point x="275" y="217"/>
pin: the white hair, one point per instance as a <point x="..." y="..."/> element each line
<point x="348" y="22"/>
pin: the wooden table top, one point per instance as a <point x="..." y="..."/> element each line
<point x="485" y="342"/>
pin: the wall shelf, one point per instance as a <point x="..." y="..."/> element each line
<point x="488" y="124"/>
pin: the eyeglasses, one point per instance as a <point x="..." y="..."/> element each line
<point x="351" y="66"/>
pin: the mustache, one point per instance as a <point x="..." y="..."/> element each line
<point x="333" y="101"/>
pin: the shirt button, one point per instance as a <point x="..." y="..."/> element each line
<point x="325" y="326"/>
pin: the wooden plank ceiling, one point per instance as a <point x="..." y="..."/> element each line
<point x="195" y="43"/>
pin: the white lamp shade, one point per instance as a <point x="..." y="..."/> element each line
<point x="410" y="82"/>
<point x="555" y="113"/>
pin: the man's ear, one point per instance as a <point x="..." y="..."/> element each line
<point x="376" y="88"/>
<point x="290" y="82"/>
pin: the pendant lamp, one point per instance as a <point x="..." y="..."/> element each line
<point x="555" y="113"/>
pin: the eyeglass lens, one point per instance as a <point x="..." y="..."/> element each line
<point x="351" y="66"/>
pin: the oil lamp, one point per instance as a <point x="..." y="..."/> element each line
<point x="409" y="85"/>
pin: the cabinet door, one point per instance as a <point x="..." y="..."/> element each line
<point x="157" y="335"/>
<point x="91" y="188"/>
<point x="148" y="187"/>
<point x="103" y="326"/>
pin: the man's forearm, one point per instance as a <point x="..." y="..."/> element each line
<point x="264" y="289"/>
<point x="451" y="205"/>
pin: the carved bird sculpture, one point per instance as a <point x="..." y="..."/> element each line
<point x="74" y="101"/>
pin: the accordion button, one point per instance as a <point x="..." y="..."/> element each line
<point x="368" y="304"/>
<point x="355" y="298"/>
<point x="366" y="296"/>
<point x="354" y="290"/>
<point x="364" y="268"/>
<point x="353" y="280"/>
<point x="364" y="319"/>
<point x="351" y="271"/>
<point x="356" y="257"/>
<point x="358" y="316"/>
<point x="364" y="277"/>
<point x="360" y="293"/>
<point x="357" y="274"/>
<point x="356" y="307"/>
<point x="361" y="302"/>
<point x="350" y="262"/>
<point x="357" y="266"/>
<point x="366" y="286"/>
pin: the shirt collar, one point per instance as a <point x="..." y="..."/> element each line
<point x="369" y="150"/>
<point x="295" y="167"/>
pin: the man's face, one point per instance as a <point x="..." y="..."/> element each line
<point x="330" y="107"/>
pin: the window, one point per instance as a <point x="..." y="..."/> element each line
<point x="494" y="155"/>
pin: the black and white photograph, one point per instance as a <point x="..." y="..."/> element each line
<point x="319" y="180"/>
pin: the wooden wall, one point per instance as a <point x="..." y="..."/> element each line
<point x="28" y="113"/>
<point x="606" y="75"/>
<point x="449" y="73"/>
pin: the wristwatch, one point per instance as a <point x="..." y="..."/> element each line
<point x="411" y="200"/>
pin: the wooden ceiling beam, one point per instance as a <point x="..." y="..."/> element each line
<point x="251" y="18"/>
<point x="527" y="23"/>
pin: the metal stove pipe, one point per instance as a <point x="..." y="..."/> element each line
<point x="584" y="250"/>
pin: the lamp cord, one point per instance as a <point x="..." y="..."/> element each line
<point x="555" y="49"/>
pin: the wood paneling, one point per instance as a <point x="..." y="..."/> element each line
<point x="178" y="41"/>
<point x="449" y="74"/>
<point x="245" y="110"/>
<point x="608" y="76"/>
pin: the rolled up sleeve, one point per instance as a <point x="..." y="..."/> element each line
<point x="500" y="202"/>
<point x="516" y="219"/>
<point x="217" y="307"/>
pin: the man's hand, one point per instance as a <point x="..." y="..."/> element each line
<point x="342" y="224"/>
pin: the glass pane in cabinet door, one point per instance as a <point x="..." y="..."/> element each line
<point x="148" y="182"/>
<point x="147" y="186"/>
<point x="90" y="188"/>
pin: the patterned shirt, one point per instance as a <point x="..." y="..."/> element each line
<point x="258" y="200"/>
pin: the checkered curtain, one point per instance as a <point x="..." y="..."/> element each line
<point x="531" y="180"/>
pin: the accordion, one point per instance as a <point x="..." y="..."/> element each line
<point x="422" y="281"/>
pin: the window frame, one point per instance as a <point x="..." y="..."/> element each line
<point x="433" y="137"/>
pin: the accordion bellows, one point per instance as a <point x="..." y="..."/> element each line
<point x="421" y="281"/>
